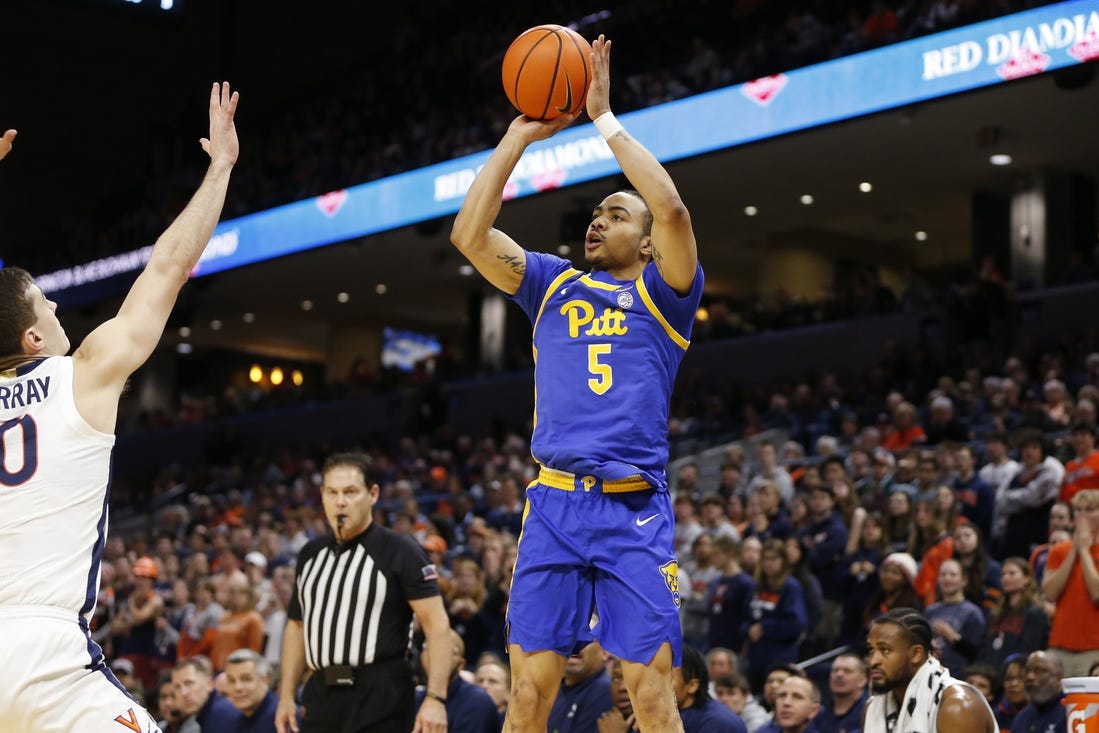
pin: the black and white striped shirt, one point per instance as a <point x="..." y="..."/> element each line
<point x="353" y="599"/>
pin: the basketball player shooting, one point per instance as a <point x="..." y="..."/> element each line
<point x="57" y="422"/>
<point x="598" y="523"/>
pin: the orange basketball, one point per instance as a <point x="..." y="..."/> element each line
<point x="546" y="71"/>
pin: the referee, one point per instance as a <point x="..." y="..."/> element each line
<point x="350" y="617"/>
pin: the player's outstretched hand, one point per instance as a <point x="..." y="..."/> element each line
<point x="5" y="143"/>
<point x="222" y="145"/>
<point x="599" y="91"/>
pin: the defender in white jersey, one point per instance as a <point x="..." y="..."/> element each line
<point x="57" y="421"/>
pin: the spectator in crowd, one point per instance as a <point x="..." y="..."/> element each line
<point x="775" y="616"/>
<point x="620" y="717"/>
<point x="1060" y="522"/>
<point x="1082" y="472"/>
<point x="696" y="573"/>
<point x="199" y="620"/>
<point x="687" y="526"/>
<point x="847" y="683"/>
<point x="1018" y="623"/>
<point x="248" y="680"/>
<point x="735" y="692"/>
<point x="169" y="717"/>
<point x="193" y="682"/>
<point x="492" y="675"/>
<point x="975" y="497"/>
<point x="772" y="521"/>
<point x="1000" y="467"/>
<point x="776" y="675"/>
<point x="982" y="572"/>
<point x="986" y="679"/>
<point x="958" y="624"/>
<point x="943" y="425"/>
<point x="720" y="662"/>
<point x="796" y="707"/>
<point x="866" y="549"/>
<point x="699" y="712"/>
<point x="466" y="607"/>
<point x="726" y="596"/>
<point x="895" y="577"/>
<point x="811" y="642"/>
<point x="1045" y="710"/>
<point x="899" y="518"/>
<point x="905" y="430"/>
<point x="714" y="522"/>
<point x="824" y="542"/>
<point x="1023" y="502"/>
<point x="1072" y="582"/>
<point x="134" y="626"/>
<point x="241" y="626"/>
<point x="1014" y="697"/>
<point x="469" y="709"/>
<point x="768" y="469"/>
<point x="584" y="692"/>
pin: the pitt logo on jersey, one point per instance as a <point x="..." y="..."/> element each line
<point x="670" y="571"/>
<point x="581" y="313"/>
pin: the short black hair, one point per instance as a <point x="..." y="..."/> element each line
<point x="354" y="459"/>
<point x="694" y="668"/>
<point x="916" y="629"/>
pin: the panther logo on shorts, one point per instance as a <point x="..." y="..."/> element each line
<point x="670" y="571"/>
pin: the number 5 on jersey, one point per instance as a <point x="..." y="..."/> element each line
<point x="604" y="378"/>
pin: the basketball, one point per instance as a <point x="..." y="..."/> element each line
<point x="546" y="71"/>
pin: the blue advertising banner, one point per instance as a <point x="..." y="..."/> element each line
<point x="959" y="60"/>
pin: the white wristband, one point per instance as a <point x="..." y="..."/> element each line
<point x="608" y="125"/>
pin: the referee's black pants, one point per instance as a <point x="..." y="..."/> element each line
<point x="382" y="700"/>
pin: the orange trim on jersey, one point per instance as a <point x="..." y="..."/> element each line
<point x="648" y="301"/>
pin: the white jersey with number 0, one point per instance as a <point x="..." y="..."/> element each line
<point x="53" y="491"/>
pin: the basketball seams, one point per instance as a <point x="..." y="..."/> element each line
<point x="533" y="72"/>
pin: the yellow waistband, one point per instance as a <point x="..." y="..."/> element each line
<point x="570" y="482"/>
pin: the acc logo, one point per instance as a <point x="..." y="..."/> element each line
<point x="625" y="299"/>
<point x="670" y="571"/>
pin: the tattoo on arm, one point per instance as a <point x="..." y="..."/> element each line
<point x="516" y="264"/>
<point x="659" y="260"/>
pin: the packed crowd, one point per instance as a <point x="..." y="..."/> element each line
<point x="960" y="500"/>
<point x="358" y="135"/>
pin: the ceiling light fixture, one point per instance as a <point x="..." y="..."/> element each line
<point x="806" y="199"/>
<point x="921" y="236"/>
<point x="1000" y="159"/>
<point x="750" y="211"/>
<point x="866" y="186"/>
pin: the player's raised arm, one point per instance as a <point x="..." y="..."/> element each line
<point x="5" y="142"/>
<point x="496" y="255"/>
<point x="673" y="240"/>
<point x="113" y="351"/>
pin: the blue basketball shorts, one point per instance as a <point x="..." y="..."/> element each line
<point x="585" y="552"/>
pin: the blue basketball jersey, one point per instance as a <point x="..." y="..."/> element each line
<point x="606" y="353"/>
